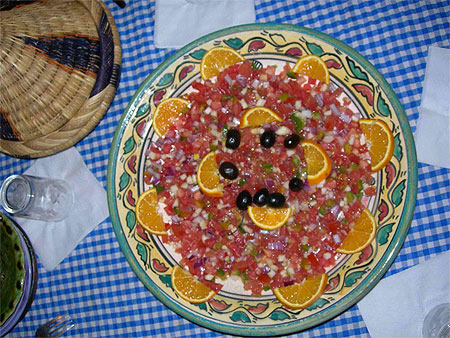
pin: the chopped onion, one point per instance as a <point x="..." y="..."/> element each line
<point x="269" y="183"/>
<point x="210" y="233"/>
<point x="332" y="87"/>
<point x="335" y="209"/>
<point x="185" y="169"/>
<point x="242" y="80"/>
<point x="265" y="269"/>
<point x="328" y="139"/>
<point x="306" y="186"/>
<point x="228" y="79"/>
<point x="261" y="102"/>
<point x="200" y="262"/>
<point x="336" y="239"/>
<point x="275" y="246"/>
<point x="170" y="172"/>
<point x="344" y="117"/>
<point x="176" y="218"/>
<point x="179" y="154"/>
<point x="197" y="220"/>
<point x="282" y="238"/>
<point x="313" y="131"/>
<point x="170" y="140"/>
<point x="312" y="226"/>
<point x="159" y="142"/>
<point x="340" y="140"/>
<point x="154" y="173"/>
<point x="334" y="109"/>
<point x="306" y="114"/>
<point x="319" y="100"/>
<point x="288" y="283"/>
<point x="153" y="180"/>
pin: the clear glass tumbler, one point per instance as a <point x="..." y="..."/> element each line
<point x="40" y="198"/>
<point x="437" y="322"/>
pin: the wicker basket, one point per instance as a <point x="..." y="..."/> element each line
<point x="59" y="69"/>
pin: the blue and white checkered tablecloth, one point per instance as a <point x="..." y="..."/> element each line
<point x="95" y="284"/>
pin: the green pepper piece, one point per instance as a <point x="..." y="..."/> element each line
<point x="349" y="196"/>
<point x="267" y="168"/>
<point x="299" y="123"/>
<point x="283" y="97"/>
<point x="291" y="74"/>
<point x="242" y="182"/>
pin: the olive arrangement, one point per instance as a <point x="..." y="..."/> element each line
<point x="262" y="197"/>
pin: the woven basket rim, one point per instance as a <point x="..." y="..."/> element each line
<point x="85" y="119"/>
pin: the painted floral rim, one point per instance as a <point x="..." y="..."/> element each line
<point x="357" y="274"/>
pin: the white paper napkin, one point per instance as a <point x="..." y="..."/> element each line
<point x="397" y="306"/>
<point x="432" y="135"/>
<point x="178" y="22"/>
<point x="54" y="241"/>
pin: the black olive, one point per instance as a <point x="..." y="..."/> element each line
<point x="261" y="197"/>
<point x="276" y="200"/>
<point x="228" y="170"/>
<point x="268" y="138"/>
<point x="292" y="141"/>
<point x="296" y="184"/>
<point x="243" y="200"/>
<point x="233" y="139"/>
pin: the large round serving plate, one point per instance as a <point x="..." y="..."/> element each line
<point x="232" y="311"/>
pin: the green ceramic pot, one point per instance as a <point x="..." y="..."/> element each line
<point x="18" y="274"/>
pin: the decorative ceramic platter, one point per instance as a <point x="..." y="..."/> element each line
<point x="232" y="311"/>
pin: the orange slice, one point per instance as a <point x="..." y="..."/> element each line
<point x="208" y="177"/>
<point x="269" y="218"/>
<point x="312" y="66"/>
<point x="216" y="60"/>
<point x="300" y="296"/>
<point x="360" y="235"/>
<point x="318" y="163"/>
<point x="258" y="116"/>
<point x="166" y="113"/>
<point x="147" y="213"/>
<point x="189" y="288"/>
<point x="380" y="142"/>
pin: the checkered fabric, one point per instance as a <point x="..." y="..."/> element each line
<point x="95" y="284"/>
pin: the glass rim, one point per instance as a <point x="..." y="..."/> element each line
<point x="4" y="188"/>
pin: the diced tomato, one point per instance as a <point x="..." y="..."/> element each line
<point x="210" y="233"/>
<point x="255" y="286"/>
<point x="245" y="69"/>
<point x="216" y="287"/>
<point x="370" y="191"/>
<point x="265" y="279"/>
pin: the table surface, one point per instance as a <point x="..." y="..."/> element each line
<point x="95" y="284"/>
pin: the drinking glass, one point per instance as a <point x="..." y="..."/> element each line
<point x="437" y="322"/>
<point x="40" y="198"/>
